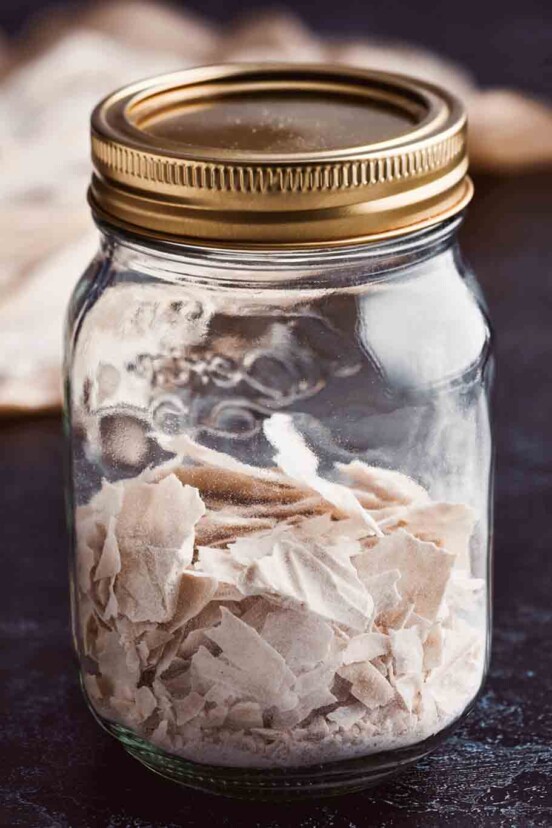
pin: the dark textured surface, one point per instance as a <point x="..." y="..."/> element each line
<point x="60" y="770"/>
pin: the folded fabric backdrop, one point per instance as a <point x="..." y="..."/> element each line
<point x="47" y="91"/>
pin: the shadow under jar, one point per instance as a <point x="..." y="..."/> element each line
<point x="277" y="374"/>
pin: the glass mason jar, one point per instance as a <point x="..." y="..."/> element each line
<point x="277" y="374"/>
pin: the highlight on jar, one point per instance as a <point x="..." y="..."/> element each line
<point x="280" y="453"/>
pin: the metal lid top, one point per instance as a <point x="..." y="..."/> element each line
<point x="278" y="155"/>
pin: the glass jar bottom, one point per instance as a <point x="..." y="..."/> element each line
<point x="278" y="784"/>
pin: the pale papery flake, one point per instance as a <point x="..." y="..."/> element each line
<point x="297" y="460"/>
<point x="425" y="569"/>
<point x="319" y="578"/>
<point x="155" y="537"/>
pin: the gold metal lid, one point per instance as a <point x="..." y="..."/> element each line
<point x="278" y="155"/>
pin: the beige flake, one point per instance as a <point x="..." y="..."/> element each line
<point x="383" y="589"/>
<point x="462" y="590"/>
<point x="208" y="617"/>
<point x="86" y="559"/>
<point x="313" y="691"/>
<point x="195" y="591"/>
<point x="409" y="688"/>
<point x="227" y="592"/>
<point x="208" y="670"/>
<point x="154" y="638"/>
<point x="89" y="626"/>
<point x="425" y="569"/>
<point x="247" y="665"/>
<point x="218" y="528"/>
<point x="245" y="715"/>
<point x="107" y="501"/>
<point x="386" y="486"/>
<point x="239" y="487"/>
<point x="316" y="679"/>
<point x="310" y="505"/>
<point x="318" y="526"/>
<point x="423" y="625"/>
<point x="155" y="533"/>
<point x="407" y="650"/>
<point x="347" y="715"/>
<point x="456" y="679"/>
<point x="109" y="564"/>
<point x="188" y="708"/>
<point x="458" y="642"/>
<point x="159" y="514"/>
<point x="113" y="663"/>
<point x="329" y="529"/>
<point x="297" y="460"/>
<point x="247" y="550"/>
<point x="318" y="729"/>
<point x="219" y="564"/>
<point x="192" y="642"/>
<point x="302" y="639"/>
<point x="367" y="684"/>
<point x="169" y="653"/>
<point x="246" y="649"/>
<point x="447" y="525"/>
<point x="255" y="614"/>
<point x="317" y="698"/>
<point x="92" y="687"/>
<point x="125" y="710"/>
<point x="433" y="647"/>
<point x="165" y="703"/>
<point x="145" y="703"/>
<point x="184" y="446"/>
<point x="366" y="647"/>
<point x="384" y="665"/>
<point x="214" y="717"/>
<point x="111" y="609"/>
<point x="220" y="696"/>
<point x="398" y="618"/>
<point x="451" y="691"/>
<point x="321" y="578"/>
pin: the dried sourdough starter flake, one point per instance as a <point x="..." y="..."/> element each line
<point x="300" y="463"/>
<point x="367" y="684"/>
<point x="302" y="639"/>
<point x="195" y="591"/>
<point x="321" y="578"/>
<point x="156" y="542"/>
<point x="447" y="525"/>
<point x="348" y="715"/>
<point x="366" y="647"/>
<point x="424" y="569"/>
<point x="385" y="486"/>
<point x="243" y="647"/>
<point x="408" y="653"/>
<point x="188" y="708"/>
<point x="261" y="617"/>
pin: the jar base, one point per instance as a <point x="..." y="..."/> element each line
<point x="278" y="784"/>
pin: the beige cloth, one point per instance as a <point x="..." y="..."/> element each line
<point x="50" y="84"/>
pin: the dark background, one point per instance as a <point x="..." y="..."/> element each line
<point x="504" y="43"/>
<point x="60" y="771"/>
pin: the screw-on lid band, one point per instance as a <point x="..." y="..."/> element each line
<point x="278" y="155"/>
